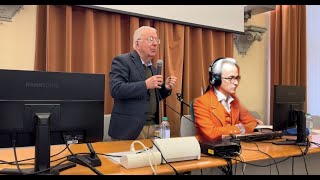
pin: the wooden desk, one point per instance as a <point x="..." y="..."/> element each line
<point x="109" y="167"/>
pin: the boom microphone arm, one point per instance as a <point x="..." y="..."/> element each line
<point x="179" y="97"/>
<point x="177" y="112"/>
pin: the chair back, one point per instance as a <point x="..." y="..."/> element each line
<point x="255" y="114"/>
<point x="106" y="136"/>
<point x="187" y="127"/>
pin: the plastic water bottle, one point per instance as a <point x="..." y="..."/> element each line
<point x="309" y="121"/>
<point x="165" y="128"/>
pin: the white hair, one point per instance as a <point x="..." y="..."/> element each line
<point x="217" y="66"/>
<point x="137" y="34"/>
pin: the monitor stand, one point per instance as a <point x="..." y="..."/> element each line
<point x="301" y="131"/>
<point x="42" y="151"/>
<point x="290" y="142"/>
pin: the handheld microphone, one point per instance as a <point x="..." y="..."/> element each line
<point x="159" y="66"/>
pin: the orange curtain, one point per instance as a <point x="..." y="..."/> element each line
<point x="288" y="47"/>
<point x="77" y="39"/>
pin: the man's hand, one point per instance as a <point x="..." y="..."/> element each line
<point x="259" y="122"/>
<point x="170" y="82"/>
<point x="241" y="128"/>
<point x="154" y="82"/>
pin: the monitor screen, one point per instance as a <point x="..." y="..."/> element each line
<point x="288" y="109"/>
<point x="54" y="107"/>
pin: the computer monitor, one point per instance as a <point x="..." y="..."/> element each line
<point x="48" y="108"/>
<point x="288" y="111"/>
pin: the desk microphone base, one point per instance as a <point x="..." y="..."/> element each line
<point x="85" y="159"/>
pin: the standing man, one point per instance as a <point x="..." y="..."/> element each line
<point x="137" y="89"/>
<point x="219" y="112"/>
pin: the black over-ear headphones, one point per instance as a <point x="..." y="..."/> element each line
<point x="214" y="79"/>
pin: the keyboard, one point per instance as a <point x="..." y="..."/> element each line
<point x="257" y="136"/>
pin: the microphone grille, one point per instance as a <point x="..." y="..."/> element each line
<point x="159" y="62"/>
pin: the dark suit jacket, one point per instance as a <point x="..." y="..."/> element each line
<point x="130" y="93"/>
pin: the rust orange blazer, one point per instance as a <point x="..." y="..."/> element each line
<point x="210" y="117"/>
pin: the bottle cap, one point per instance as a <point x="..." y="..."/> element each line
<point x="164" y="118"/>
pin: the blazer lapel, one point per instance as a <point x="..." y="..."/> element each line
<point x="216" y="108"/>
<point x="137" y="61"/>
<point x="234" y="111"/>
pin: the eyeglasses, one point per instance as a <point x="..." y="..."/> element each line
<point x="232" y="79"/>
<point x="151" y="40"/>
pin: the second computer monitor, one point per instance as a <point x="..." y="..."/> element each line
<point x="287" y="99"/>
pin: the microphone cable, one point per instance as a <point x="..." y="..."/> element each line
<point x="178" y="112"/>
<point x="179" y="97"/>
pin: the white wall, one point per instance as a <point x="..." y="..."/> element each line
<point x="313" y="59"/>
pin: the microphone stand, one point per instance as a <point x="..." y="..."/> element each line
<point x="179" y="97"/>
<point x="158" y="94"/>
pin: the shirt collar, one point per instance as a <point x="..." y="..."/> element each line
<point x="221" y="96"/>
<point x="148" y="64"/>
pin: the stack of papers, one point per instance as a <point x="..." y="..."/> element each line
<point x="264" y="127"/>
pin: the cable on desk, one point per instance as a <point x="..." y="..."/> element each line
<point x="243" y="164"/>
<point x="304" y="160"/>
<point x="292" y="166"/>
<point x="177" y="173"/>
<point x="228" y="168"/>
<point x="13" y="163"/>
<point x="150" y="154"/>
<point x="87" y="164"/>
<point x="59" y="158"/>
<point x="274" y="161"/>
<point x="15" y="153"/>
<point x="252" y="164"/>
<point x="48" y="169"/>
<point x="236" y="166"/>
<point x="109" y="155"/>
<point x="266" y="154"/>
<point x="257" y="165"/>
<point x="303" y="153"/>
<point x="25" y="164"/>
<point x="317" y="144"/>
<point x="270" y="168"/>
<point x="267" y="165"/>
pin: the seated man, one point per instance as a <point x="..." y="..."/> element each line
<point x="219" y="112"/>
